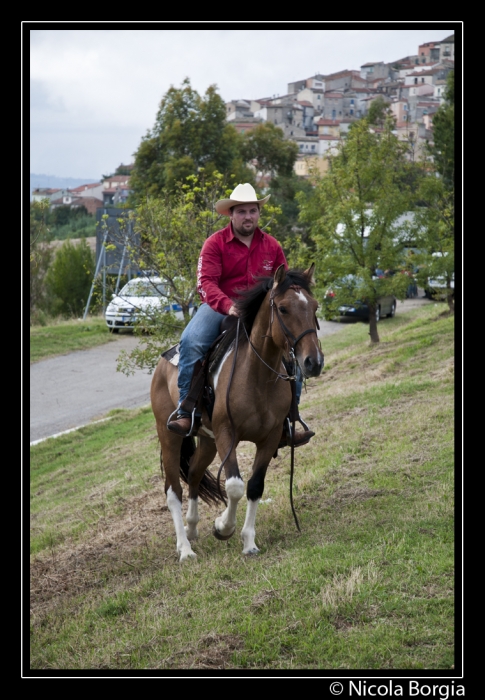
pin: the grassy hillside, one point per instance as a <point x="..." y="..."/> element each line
<point x="368" y="584"/>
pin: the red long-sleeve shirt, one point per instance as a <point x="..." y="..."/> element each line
<point x="226" y="264"/>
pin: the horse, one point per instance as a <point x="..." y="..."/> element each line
<point x="276" y="321"/>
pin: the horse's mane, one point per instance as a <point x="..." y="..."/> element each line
<point x="249" y="300"/>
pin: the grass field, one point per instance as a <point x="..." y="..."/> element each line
<point x="62" y="337"/>
<point x="369" y="584"/>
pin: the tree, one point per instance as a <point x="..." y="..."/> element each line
<point x="433" y="230"/>
<point x="268" y="150"/>
<point x="378" y="111"/>
<point x="291" y="232"/>
<point x="443" y="147"/>
<point x="353" y="212"/>
<point x="69" y="278"/>
<point x="190" y="132"/>
<point x="40" y="258"/>
<point x="171" y="230"/>
<point x="434" y="222"/>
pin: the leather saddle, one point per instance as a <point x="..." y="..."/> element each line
<point x="201" y="394"/>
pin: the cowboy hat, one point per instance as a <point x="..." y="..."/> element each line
<point x="242" y="194"/>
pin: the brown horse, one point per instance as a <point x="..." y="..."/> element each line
<point x="277" y="320"/>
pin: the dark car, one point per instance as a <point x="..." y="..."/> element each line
<point x="386" y="304"/>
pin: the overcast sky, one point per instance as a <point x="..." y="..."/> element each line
<point x="95" y="91"/>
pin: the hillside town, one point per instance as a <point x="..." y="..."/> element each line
<point x="315" y="113"/>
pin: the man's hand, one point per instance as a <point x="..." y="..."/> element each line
<point x="232" y="311"/>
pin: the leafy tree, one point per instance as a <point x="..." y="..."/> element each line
<point x="353" y="212"/>
<point x="190" y="132"/>
<point x="433" y="229"/>
<point x="120" y="170"/>
<point x="171" y="230"/>
<point x="378" y="111"/>
<point x="443" y="147"/>
<point x="69" y="278"/>
<point x="434" y="222"/>
<point x="64" y="222"/>
<point x="60" y="216"/>
<point x="266" y="147"/>
<point x="292" y="233"/>
<point x="40" y="258"/>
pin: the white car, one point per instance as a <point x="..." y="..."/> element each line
<point x="136" y="299"/>
<point x="437" y="287"/>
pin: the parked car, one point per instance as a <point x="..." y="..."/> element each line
<point x="386" y="304"/>
<point x="436" y="287"/>
<point x="135" y="301"/>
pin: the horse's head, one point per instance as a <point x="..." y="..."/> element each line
<point x="294" y="322"/>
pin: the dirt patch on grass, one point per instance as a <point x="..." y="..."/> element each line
<point x="140" y="535"/>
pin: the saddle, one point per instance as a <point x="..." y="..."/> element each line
<point x="201" y="394"/>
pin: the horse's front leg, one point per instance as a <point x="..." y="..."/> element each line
<point x="192" y="518"/>
<point x="254" y="493"/>
<point x="225" y="524"/>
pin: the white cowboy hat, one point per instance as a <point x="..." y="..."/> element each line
<point x="242" y="194"/>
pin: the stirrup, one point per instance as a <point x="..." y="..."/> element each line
<point x="298" y="420"/>
<point x="302" y="422"/>
<point x="175" y="413"/>
<point x="288" y="429"/>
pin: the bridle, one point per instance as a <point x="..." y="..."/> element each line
<point x="286" y="331"/>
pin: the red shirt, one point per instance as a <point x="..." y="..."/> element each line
<point x="226" y="264"/>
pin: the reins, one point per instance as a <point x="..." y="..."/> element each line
<point x="291" y="366"/>
<point x="236" y="346"/>
<point x="289" y="376"/>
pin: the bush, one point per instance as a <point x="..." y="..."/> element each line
<point x="69" y="279"/>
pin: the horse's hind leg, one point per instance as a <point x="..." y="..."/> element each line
<point x="183" y="545"/>
<point x="201" y="459"/>
<point x="173" y="491"/>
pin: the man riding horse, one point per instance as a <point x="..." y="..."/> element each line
<point x="230" y="260"/>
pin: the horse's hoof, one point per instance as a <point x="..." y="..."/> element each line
<point x="251" y="552"/>
<point x="218" y="535"/>
<point x="187" y="557"/>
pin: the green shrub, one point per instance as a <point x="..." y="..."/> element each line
<point x="69" y="279"/>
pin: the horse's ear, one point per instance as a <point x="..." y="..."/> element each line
<point x="279" y="276"/>
<point x="309" y="273"/>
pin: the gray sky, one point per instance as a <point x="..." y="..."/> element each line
<point x="95" y="91"/>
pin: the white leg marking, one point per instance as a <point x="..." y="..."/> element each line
<point x="192" y="518"/>
<point x="215" y="378"/>
<point x="226" y="523"/>
<point x="248" y="532"/>
<point x="183" y="545"/>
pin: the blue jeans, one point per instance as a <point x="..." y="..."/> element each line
<point x="199" y="334"/>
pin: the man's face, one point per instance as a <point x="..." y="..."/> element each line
<point x="244" y="219"/>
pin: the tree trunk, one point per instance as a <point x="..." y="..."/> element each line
<point x="374" y="335"/>
<point x="450" y="298"/>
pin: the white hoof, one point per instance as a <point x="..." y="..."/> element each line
<point x="251" y="552"/>
<point x="186" y="555"/>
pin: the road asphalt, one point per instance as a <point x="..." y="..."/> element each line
<point x="70" y="391"/>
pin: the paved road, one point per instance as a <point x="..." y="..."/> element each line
<point x="69" y="391"/>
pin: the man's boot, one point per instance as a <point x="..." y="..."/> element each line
<point x="181" y="425"/>
<point x="301" y="438"/>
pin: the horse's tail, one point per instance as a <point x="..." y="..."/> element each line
<point x="209" y="490"/>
